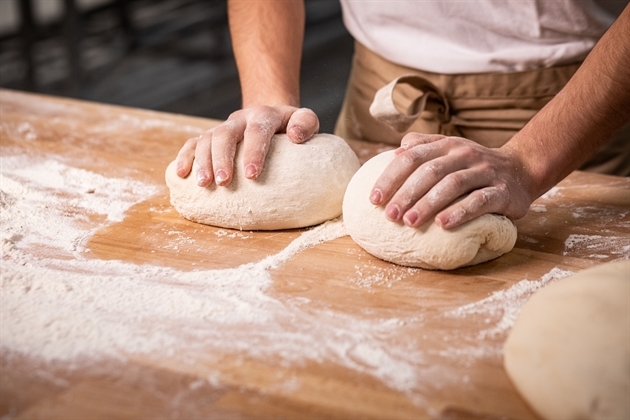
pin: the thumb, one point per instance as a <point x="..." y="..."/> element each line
<point x="302" y="125"/>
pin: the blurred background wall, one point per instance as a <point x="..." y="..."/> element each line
<point x="168" y="55"/>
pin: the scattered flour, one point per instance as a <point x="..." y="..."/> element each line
<point x="222" y="233"/>
<point x="506" y="304"/>
<point x="118" y="122"/>
<point x="58" y="305"/>
<point x="27" y="131"/>
<point x="552" y="193"/>
<point x="49" y="204"/>
<point x="598" y="244"/>
<point x="539" y="208"/>
<point x="368" y="276"/>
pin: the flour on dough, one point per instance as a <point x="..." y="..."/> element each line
<point x="568" y="353"/>
<point x="301" y="185"/>
<point x="427" y="246"/>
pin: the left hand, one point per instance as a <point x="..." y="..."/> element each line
<point x="215" y="149"/>
<point x="430" y="172"/>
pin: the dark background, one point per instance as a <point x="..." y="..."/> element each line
<point x="167" y="55"/>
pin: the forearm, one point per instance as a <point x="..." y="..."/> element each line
<point x="267" y="39"/>
<point x="583" y="116"/>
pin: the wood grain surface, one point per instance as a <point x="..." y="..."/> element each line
<point x="350" y="336"/>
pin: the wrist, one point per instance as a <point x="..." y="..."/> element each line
<point x="530" y="169"/>
<point x="273" y="100"/>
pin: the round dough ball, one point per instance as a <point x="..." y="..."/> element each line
<point x="427" y="246"/>
<point x="300" y="185"/>
<point x="568" y="353"/>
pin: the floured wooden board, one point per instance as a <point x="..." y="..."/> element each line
<point x="114" y="306"/>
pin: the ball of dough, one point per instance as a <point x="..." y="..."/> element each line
<point x="568" y="353"/>
<point x="427" y="246"/>
<point x="300" y="185"/>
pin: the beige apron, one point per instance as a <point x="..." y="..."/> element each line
<point x="384" y="101"/>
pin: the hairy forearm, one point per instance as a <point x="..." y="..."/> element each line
<point x="267" y="39"/>
<point x="582" y="117"/>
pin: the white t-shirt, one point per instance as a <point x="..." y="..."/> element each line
<point x="475" y="36"/>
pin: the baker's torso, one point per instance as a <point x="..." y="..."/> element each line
<point x="454" y="37"/>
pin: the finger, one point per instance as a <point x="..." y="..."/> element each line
<point x="415" y="139"/>
<point x="224" y="140"/>
<point x="398" y="171"/>
<point x="302" y="125"/>
<point x="476" y="204"/>
<point x="424" y="179"/>
<point x="445" y="192"/>
<point x="261" y="127"/>
<point x="203" y="159"/>
<point x="185" y="157"/>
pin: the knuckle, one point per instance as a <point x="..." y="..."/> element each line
<point x="454" y="181"/>
<point x="256" y="155"/>
<point x="264" y="109"/>
<point x="384" y="183"/>
<point x="489" y="171"/>
<point x="502" y="194"/>
<point x="466" y="153"/>
<point x="239" y="113"/>
<point x="411" y="138"/>
<point x="479" y="199"/>
<point x="408" y="158"/>
<point x="433" y="198"/>
<point x="262" y="113"/>
<point x="265" y="124"/>
<point x="264" y="127"/>
<point x="220" y="131"/>
<point x="448" y="142"/>
<point x="433" y="171"/>
<point x="406" y="196"/>
<point x="502" y="191"/>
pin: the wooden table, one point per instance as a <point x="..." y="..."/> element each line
<point x="323" y="331"/>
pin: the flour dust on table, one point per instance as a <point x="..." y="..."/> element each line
<point x="65" y="306"/>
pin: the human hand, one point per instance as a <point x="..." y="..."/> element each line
<point x="431" y="172"/>
<point x="215" y="149"/>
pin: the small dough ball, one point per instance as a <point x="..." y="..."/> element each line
<point x="568" y="353"/>
<point x="427" y="246"/>
<point x="300" y="185"/>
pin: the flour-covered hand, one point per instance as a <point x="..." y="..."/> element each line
<point x="215" y="149"/>
<point x="452" y="179"/>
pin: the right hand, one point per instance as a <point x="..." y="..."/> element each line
<point x="215" y="149"/>
<point x="430" y="172"/>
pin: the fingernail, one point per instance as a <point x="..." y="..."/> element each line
<point x="297" y="133"/>
<point x="376" y="197"/>
<point x="251" y="171"/>
<point x="202" y="177"/>
<point x="411" y="217"/>
<point x="443" y="222"/>
<point x="220" y="176"/>
<point x="392" y="212"/>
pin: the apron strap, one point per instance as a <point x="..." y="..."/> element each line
<point x="430" y="99"/>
